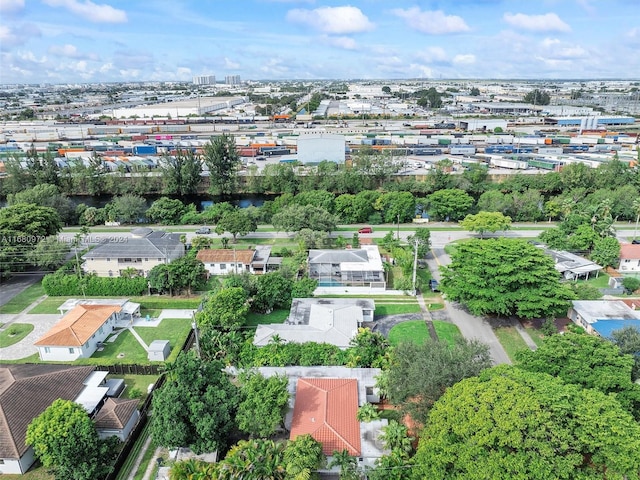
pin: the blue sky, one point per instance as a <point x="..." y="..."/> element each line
<point x="78" y="41"/>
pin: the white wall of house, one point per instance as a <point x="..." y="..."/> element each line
<point x="69" y="353"/>
<point x="124" y="433"/>
<point x="227" y="268"/>
<point x="629" y="265"/>
<point x="17" y="466"/>
<point x="111" y="267"/>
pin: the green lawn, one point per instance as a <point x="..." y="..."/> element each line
<point x="601" y="282"/>
<point x="173" y="329"/>
<point x="153" y="303"/>
<point x="536" y="335"/>
<point x="36" y="472"/>
<point x="135" y="451"/>
<point x="511" y="341"/>
<point x="277" y="316"/>
<point x="14" y="333"/>
<point x="447" y="332"/>
<point x="23" y="299"/>
<point x="414" y="331"/>
<point x="435" y="306"/>
<point x="152" y="312"/>
<point x="396" y="309"/>
<point x="125" y="344"/>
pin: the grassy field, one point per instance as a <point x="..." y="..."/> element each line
<point x="447" y="332"/>
<point x="277" y="316"/>
<point x="23" y="299"/>
<point x="173" y="329"/>
<point x="14" y="333"/>
<point x="414" y="331"/>
<point x="511" y="341"/>
<point x="153" y="303"/>
<point x="536" y="335"/>
<point x="37" y="472"/>
<point x="396" y="309"/>
<point x="601" y="282"/>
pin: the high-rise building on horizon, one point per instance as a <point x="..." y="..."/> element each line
<point x="204" y="80"/>
<point x="232" y="79"/>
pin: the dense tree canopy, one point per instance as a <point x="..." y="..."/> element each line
<point x="419" y="374"/>
<point x="222" y="159"/>
<point x="449" y="204"/>
<point x="511" y="423"/>
<point x="293" y="218"/>
<point x="196" y="406"/>
<point x="65" y="439"/>
<point x="236" y="222"/>
<point x="226" y="308"/>
<point x="486" y="222"/>
<point x="502" y="276"/>
<point x="264" y="403"/>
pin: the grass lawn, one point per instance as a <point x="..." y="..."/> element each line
<point x="277" y="316"/>
<point x="125" y="344"/>
<point x="435" y="306"/>
<point x="391" y="309"/>
<point x="414" y="331"/>
<point x="510" y="340"/>
<point x="154" y="303"/>
<point x="601" y="282"/>
<point x="36" y="472"/>
<point x="536" y="335"/>
<point x="135" y="451"/>
<point x="139" y="382"/>
<point x="173" y="329"/>
<point x="14" y="333"/>
<point x="447" y="332"/>
<point x="23" y="299"/>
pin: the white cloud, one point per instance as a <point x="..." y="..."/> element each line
<point x="464" y="59"/>
<point x="432" y="55"/>
<point x="345" y="43"/>
<point x="70" y="51"/>
<point x="434" y="22"/>
<point x="332" y="20"/>
<point x="555" y="49"/>
<point x="18" y="35"/>
<point x="230" y="65"/>
<point x="11" y="6"/>
<point x="91" y="11"/>
<point x="549" y="22"/>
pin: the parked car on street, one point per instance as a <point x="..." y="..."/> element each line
<point x="203" y="230"/>
<point x="365" y="230"/>
<point x="434" y="285"/>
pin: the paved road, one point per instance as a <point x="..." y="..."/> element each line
<point x="470" y="326"/>
<point x="11" y="287"/>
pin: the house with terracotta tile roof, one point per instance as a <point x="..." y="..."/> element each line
<point x="326" y="408"/>
<point x="629" y="258"/>
<point x="117" y="417"/>
<point x="79" y="333"/>
<point x="28" y="390"/>
<point x="224" y="261"/>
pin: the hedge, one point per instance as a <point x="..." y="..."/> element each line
<point x="58" y="285"/>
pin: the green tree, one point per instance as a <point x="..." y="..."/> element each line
<point x="319" y="198"/>
<point x="303" y="457"/>
<point x="395" y="437"/>
<point x="181" y="173"/>
<point x="606" y="252"/>
<point x="449" y="204"/>
<point x="367" y="413"/>
<point x="631" y="284"/>
<point x="186" y="273"/>
<point x="537" y="97"/>
<point x="423" y="237"/>
<point x="588" y="361"/>
<point x="65" y="440"/>
<point x="474" y="92"/>
<point x="221" y="156"/>
<point x="628" y="341"/>
<point x="264" y="404"/>
<point x="396" y="206"/>
<point x="294" y="218"/>
<point x="368" y="350"/>
<point x="493" y="201"/>
<point x="126" y="209"/>
<point x="226" y="308"/>
<point x="347" y="463"/>
<point x="304" y="288"/>
<point x="273" y="290"/>
<point x="308" y="239"/>
<point x="510" y="423"/>
<point x="46" y="195"/>
<point x="486" y="222"/>
<point x="420" y="373"/>
<point x="256" y="459"/>
<point x="236" y="222"/>
<point x="430" y="98"/>
<point x="166" y="211"/>
<point x="507" y="277"/>
<point x="196" y="406"/>
<point x="48" y="253"/>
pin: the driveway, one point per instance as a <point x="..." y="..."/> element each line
<point x="384" y="323"/>
<point x="25" y="348"/>
<point x="471" y="327"/>
<point x="11" y="287"/>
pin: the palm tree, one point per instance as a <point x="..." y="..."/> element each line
<point x="395" y="437"/>
<point x="348" y="465"/>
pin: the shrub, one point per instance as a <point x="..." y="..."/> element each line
<point x="60" y="284"/>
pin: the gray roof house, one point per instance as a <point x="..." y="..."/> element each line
<point x="573" y="266"/>
<point x="142" y="251"/>
<point x="321" y="320"/>
<point x="347" y="268"/>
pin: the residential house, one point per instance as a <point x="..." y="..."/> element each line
<point x="602" y="317"/>
<point x="117" y="417"/>
<point x="322" y="320"/>
<point x="323" y="402"/>
<point x="343" y="268"/>
<point x="225" y="261"/>
<point x="27" y="390"/>
<point x="629" y="258"/>
<point x="144" y="250"/>
<point x="79" y="333"/>
<point x="573" y="266"/>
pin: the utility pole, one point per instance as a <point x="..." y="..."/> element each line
<point x="194" y="325"/>
<point x="398" y="234"/>
<point x="415" y="265"/>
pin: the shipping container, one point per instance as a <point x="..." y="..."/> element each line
<point x="145" y="150"/>
<point x="508" y="163"/>
<point x="462" y="150"/>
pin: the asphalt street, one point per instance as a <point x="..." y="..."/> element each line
<point x="11" y="287"/>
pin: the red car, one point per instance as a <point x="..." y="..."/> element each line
<point x="365" y="230"/>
